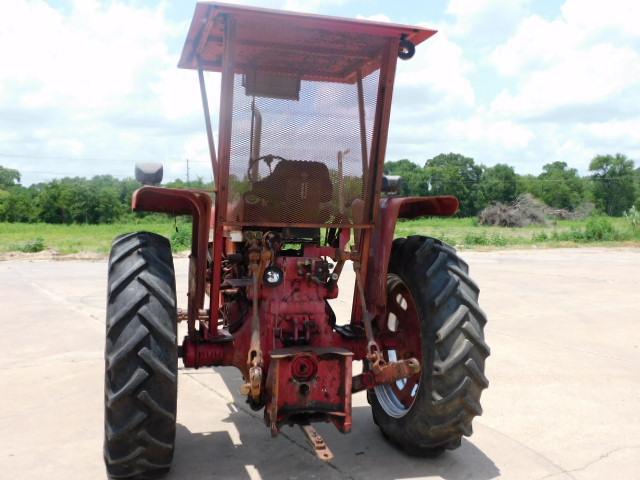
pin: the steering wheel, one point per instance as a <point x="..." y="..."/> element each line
<point x="268" y="159"/>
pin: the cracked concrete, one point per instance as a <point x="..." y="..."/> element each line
<point x="592" y="463"/>
<point x="563" y="401"/>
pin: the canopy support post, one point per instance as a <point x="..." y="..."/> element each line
<point x="207" y="121"/>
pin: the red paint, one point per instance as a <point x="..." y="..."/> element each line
<point x="390" y="210"/>
<point x="326" y="394"/>
<point x="196" y="354"/>
<point x="196" y="203"/>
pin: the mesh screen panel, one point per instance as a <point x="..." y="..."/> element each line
<point x="304" y="182"/>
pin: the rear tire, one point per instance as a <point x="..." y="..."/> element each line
<point x="446" y="394"/>
<point x="141" y="358"/>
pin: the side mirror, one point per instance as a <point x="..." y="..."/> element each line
<point x="392" y="183"/>
<point x="149" y="173"/>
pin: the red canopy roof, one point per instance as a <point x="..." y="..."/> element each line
<point x="312" y="47"/>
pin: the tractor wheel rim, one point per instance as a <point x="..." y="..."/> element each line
<point x="401" y="340"/>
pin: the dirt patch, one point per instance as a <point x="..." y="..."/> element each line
<point x="50" y="254"/>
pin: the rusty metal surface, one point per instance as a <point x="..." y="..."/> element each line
<point x="262" y="224"/>
<point x="196" y="203"/>
<point x="400" y="334"/>
<point x="385" y="373"/>
<point x="224" y="139"/>
<point x="203" y="315"/>
<point x="314" y="46"/>
<point x="317" y="443"/>
<point x="392" y="208"/>
<point x="309" y="383"/>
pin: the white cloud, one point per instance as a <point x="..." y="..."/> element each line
<point x="432" y="97"/>
<point x="378" y="17"/>
<point x="568" y="87"/>
<point x="99" y="81"/>
<point x="310" y="6"/>
<point x="497" y="82"/>
<point x="484" y="21"/>
<point x="619" y="17"/>
<point x="438" y="70"/>
<point x="573" y="82"/>
<point x="480" y="129"/>
<point x="436" y="108"/>
<point x="581" y="79"/>
<point x="570" y="65"/>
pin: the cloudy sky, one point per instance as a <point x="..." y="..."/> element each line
<point x="90" y="87"/>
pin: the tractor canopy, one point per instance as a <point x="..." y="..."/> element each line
<point x="304" y="112"/>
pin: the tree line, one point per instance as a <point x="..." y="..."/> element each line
<point x="101" y="199"/>
<point x="613" y="186"/>
<point x="613" y="183"/>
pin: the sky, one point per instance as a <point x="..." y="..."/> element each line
<point x="89" y="88"/>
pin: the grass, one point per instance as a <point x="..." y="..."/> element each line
<point x="466" y="232"/>
<point x="67" y="239"/>
<point x="462" y="232"/>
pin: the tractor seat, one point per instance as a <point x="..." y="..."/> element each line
<point x="293" y="192"/>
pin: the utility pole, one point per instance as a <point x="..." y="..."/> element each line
<point x="341" y="155"/>
<point x="188" y="181"/>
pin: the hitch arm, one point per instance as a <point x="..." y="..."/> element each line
<point x="384" y="373"/>
<point x="318" y="444"/>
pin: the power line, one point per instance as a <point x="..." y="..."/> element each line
<point x="189" y="161"/>
<point x="60" y="157"/>
<point x="535" y="179"/>
<point x="79" y="159"/>
<point x="457" y="181"/>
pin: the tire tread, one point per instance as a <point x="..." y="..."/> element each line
<point x="454" y="349"/>
<point x="140" y="357"/>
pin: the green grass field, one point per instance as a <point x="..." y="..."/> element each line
<point x="67" y="239"/>
<point x="466" y="233"/>
<point x="462" y="232"/>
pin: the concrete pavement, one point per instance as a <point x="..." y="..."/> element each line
<point x="564" y="328"/>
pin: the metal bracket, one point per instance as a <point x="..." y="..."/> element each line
<point x="384" y="373"/>
<point x="317" y="443"/>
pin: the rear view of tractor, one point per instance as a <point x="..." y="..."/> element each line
<point x="299" y="196"/>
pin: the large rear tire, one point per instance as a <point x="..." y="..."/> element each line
<point x="433" y="314"/>
<point x="141" y="357"/>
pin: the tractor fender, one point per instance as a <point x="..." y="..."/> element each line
<point x="391" y="209"/>
<point x="196" y="203"/>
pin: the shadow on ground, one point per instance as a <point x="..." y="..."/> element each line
<point x="362" y="454"/>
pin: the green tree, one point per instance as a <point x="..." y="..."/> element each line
<point x="455" y="174"/>
<point x="498" y="184"/>
<point x="8" y="177"/>
<point x="529" y="184"/>
<point x="197" y="183"/>
<point x="49" y="204"/>
<point x="110" y="199"/>
<point x="414" y="178"/>
<point x="613" y="183"/>
<point x="17" y="206"/>
<point x="78" y="200"/>
<point x="560" y="186"/>
<point x="637" y="179"/>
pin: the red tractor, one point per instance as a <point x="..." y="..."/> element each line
<point x="299" y="194"/>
